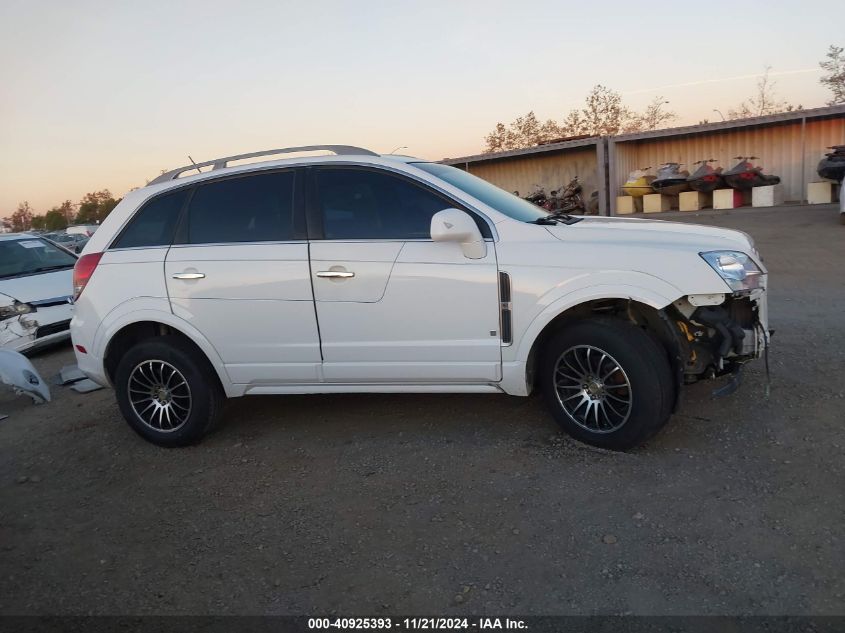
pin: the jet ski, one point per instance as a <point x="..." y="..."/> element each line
<point x="744" y="175"/>
<point x="638" y="183"/>
<point x="832" y="166"/>
<point x="671" y="180"/>
<point x="706" y="178"/>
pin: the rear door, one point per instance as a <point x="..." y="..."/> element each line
<point x="393" y="306"/>
<point x="238" y="271"/>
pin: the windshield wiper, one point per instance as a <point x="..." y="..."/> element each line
<point x="557" y="218"/>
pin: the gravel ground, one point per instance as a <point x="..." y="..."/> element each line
<point x="456" y="504"/>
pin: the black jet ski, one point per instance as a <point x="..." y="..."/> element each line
<point x="744" y="175"/>
<point x="706" y="178"/>
<point x="670" y="179"/>
<point x="832" y="166"/>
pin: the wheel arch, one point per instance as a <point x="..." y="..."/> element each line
<point x="649" y="311"/>
<point x="128" y="332"/>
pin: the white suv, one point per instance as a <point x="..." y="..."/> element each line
<point x="358" y="272"/>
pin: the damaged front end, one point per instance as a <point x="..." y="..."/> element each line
<point x="18" y="328"/>
<point x="719" y="333"/>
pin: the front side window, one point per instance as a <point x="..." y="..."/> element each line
<point x="32" y="256"/>
<point x="155" y="223"/>
<point x="256" y="208"/>
<point x="499" y="199"/>
<point x="366" y="204"/>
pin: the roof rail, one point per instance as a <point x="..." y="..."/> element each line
<point x="220" y="163"/>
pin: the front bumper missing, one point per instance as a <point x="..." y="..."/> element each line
<point x="717" y="340"/>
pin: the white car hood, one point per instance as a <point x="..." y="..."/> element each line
<point x="634" y="231"/>
<point x="49" y="285"/>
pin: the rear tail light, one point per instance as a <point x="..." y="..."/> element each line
<point x="85" y="267"/>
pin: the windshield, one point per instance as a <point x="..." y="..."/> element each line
<point x="30" y="256"/>
<point x="501" y="200"/>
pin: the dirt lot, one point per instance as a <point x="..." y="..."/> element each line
<point x="375" y="504"/>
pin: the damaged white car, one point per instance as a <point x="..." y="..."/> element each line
<point x="367" y="273"/>
<point x="36" y="282"/>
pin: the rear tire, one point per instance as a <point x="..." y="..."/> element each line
<point x="607" y="382"/>
<point x="168" y="392"/>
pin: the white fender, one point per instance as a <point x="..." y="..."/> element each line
<point x="158" y="310"/>
<point x="657" y="294"/>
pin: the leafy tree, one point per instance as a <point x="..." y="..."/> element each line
<point x="67" y="210"/>
<point x="835" y="77"/>
<point x="22" y="218"/>
<point x="603" y="113"/>
<point x="654" y="117"/>
<point x="55" y="220"/>
<point x="764" y="101"/>
<point x="38" y="222"/>
<point x="95" y="207"/>
<point x="525" y="131"/>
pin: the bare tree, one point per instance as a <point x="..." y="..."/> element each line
<point x="835" y="77"/>
<point x="765" y="100"/>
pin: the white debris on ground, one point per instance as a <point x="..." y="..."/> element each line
<point x="17" y="372"/>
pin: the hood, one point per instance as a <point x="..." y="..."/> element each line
<point x="654" y="234"/>
<point x="49" y="285"/>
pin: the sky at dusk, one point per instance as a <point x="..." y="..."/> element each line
<point x="107" y="94"/>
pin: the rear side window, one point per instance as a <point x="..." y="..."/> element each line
<point x="155" y="223"/>
<point x="256" y="208"/>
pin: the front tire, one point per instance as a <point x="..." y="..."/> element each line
<point x="607" y="382"/>
<point x="168" y="392"/>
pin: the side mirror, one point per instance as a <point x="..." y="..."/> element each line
<point x="454" y="225"/>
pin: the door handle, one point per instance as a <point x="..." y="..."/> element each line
<point x="335" y="274"/>
<point x="189" y="276"/>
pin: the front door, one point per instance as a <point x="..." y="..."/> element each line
<point x="392" y="305"/>
<point x="238" y="272"/>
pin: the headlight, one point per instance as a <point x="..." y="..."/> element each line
<point x="15" y="309"/>
<point x="737" y="269"/>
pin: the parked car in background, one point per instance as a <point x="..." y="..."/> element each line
<point x="360" y="272"/>
<point x="74" y="242"/>
<point x="36" y="284"/>
<point x="82" y="229"/>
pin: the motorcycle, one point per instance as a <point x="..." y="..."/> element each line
<point x="567" y="200"/>
<point x="706" y="178"/>
<point x="744" y="175"/>
<point x="538" y="196"/>
<point x="832" y="166"/>
<point x="671" y="180"/>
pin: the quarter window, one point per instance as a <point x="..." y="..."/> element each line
<point x="364" y="204"/>
<point x="256" y="208"/>
<point x="155" y="223"/>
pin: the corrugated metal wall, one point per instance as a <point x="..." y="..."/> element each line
<point x="819" y="135"/>
<point x="523" y="173"/>
<point x="779" y="148"/>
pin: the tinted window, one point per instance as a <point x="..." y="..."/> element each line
<point x="250" y="209"/>
<point x="361" y="204"/>
<point x="155" y="223"/>
<point x="31" y="256"/>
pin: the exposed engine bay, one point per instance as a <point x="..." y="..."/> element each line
<point x="720" y="333"/>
